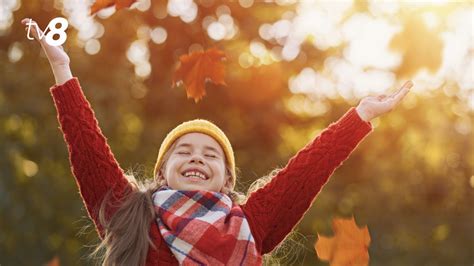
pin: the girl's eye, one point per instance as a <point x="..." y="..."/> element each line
<point x="188" y="153"/>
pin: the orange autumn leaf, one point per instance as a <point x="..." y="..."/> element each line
<point x="348" y="246"/>
<point x="119" y="4"/>
<point x="53" y="262"/>
<point x="197" y="68"/>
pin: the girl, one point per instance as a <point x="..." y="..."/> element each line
<point x="189" y="213"/>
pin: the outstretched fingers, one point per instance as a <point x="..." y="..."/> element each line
<point x="403" y="90"/>
<point x="400" y="94"/>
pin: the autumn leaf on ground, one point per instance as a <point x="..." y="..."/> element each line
<point x="198" y="67"/>
<point x="348" y="246"/>
<point x="119" y="4"/>
<point x="53" y="262"/>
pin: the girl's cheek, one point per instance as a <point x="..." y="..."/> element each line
<point x="218" y="165"/>
<point x="178" y="160"/>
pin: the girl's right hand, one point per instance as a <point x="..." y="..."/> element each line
<point x="55" y="54"/>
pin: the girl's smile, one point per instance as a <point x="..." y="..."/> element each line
<point x="195" y="173"/>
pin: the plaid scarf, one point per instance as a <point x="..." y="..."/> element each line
<point x="204" y="228"/>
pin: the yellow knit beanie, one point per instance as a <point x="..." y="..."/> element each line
<point x="197" y="126"/>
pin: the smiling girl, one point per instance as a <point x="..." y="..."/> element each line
<point x="189" y="212"/>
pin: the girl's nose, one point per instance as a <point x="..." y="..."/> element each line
<point x="196" y="159"/>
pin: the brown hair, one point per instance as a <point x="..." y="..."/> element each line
<point x="127" y="243"/>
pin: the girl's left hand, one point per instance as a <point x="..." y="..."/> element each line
<point x="372" y="106"/>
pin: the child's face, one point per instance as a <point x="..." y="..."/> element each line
<point x="197" y="162"/>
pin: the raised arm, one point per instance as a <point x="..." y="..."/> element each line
<point x="276" y="208"/>
<point x="94" y="166"/>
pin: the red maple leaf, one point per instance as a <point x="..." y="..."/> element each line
<point x="119" y="4"/>
<point x="197" y="68"/>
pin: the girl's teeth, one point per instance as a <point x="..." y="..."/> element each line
<point x="195" y="174"/>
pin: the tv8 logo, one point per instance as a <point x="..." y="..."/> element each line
<point x="61" y="31"/>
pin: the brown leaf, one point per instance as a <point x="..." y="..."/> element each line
<point x="348" y="246"/>
<point x="198" y="67"/>
<point x="119" y="4"/>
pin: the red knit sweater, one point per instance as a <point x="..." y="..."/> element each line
<point x="272" y="211"/>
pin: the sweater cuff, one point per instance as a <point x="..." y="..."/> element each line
<point x="355" y="124"/>
<point x="68" y="95"/>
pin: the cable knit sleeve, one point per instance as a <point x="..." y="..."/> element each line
<point x="274" y="210"/>
<point x="94" y="166"/>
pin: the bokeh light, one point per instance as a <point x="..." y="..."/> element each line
<point x="185" y="9"/>
<point x="159" y="35"/>
<point x="7" y="7"/>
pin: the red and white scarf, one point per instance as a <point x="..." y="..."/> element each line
<point x="204" y="228"/>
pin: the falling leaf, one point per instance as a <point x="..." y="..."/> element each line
<point x="119" y="4"/>
<point x="198" y="67"/>
<point x="348" y="246"/>
<point x="53" y="262"/>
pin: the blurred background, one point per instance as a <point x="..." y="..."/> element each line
<point x="293" y="68"/>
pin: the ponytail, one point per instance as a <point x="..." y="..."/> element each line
<point x="127" y="239"/>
